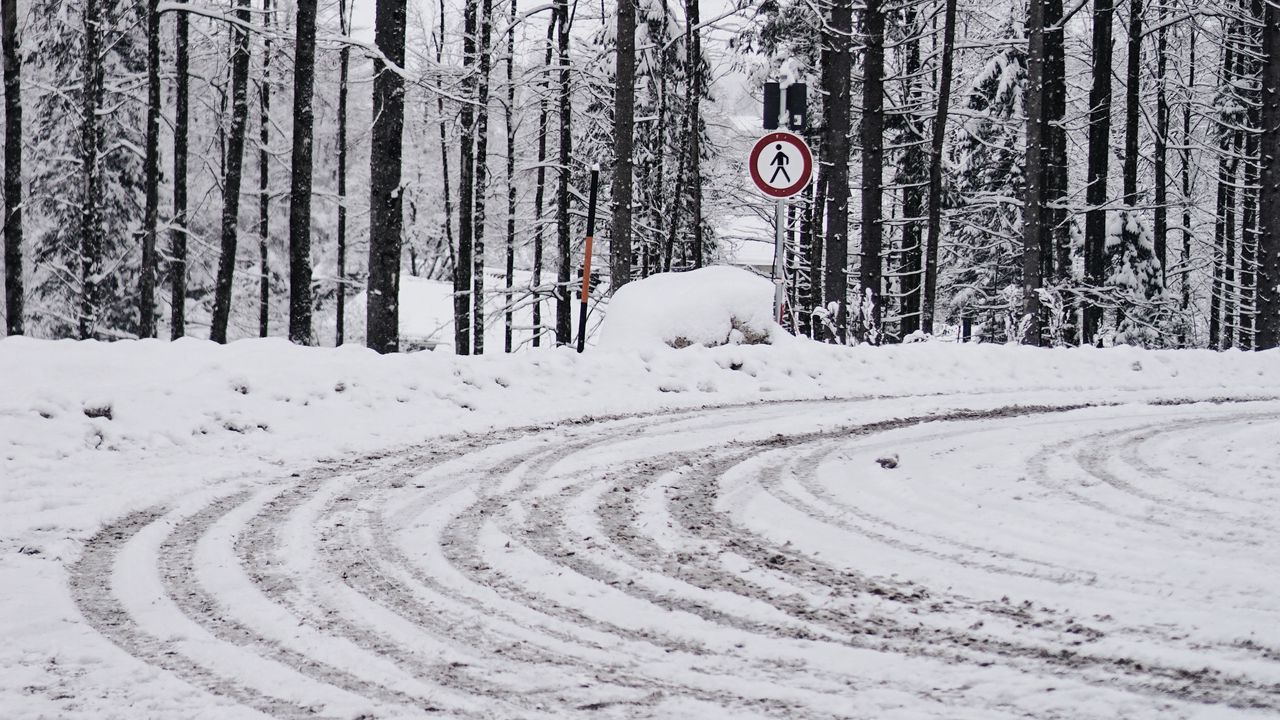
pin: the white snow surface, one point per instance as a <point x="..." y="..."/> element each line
<point x="710" y="306"/>
<point x="261" y="529"/>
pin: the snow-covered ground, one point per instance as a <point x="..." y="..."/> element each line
<point x="787" y="531"/>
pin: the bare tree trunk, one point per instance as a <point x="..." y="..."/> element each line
<point x="1133" y="85"/>
<point x="386" y="217"/>
<point x="624" y="110"/>
<point x="151" y="162"/>
<point x="1055" y="244"/>
<point x="935" y="169"/>
<point x="695" y="129"/>
<point x="1099" y="156"/>
<point x="1161" y="230"/>
<point x="912" y="194"/>
<point x="1269" y="198"/>
<point x="264" y="177"/>
<point x="482" y="181"/>
<point x="178" y="235"/>
<point x="304" y="75"/>
<point x="1185" y="334"/>
<point x="13" y="284"/>
<point x="562" y="190"/>
<point x="511" y="180"/>
<point x="462" y="269"/>
<point x="872" y="141"/>
<point x="444" y="159"/>
<point x="344" y="71"/>
<point x="231" y="181"/>
<point x="90" y="149"/>
<point x="539" y="191"/>
<point x="1034" y="225"/>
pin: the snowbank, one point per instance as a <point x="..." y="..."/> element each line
<point x="711" y="306"/>
<point x="269" y="398"/>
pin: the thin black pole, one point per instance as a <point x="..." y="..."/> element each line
<point x="586" y="259"/>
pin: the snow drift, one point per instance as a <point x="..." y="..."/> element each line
<point x="711" y="306"/>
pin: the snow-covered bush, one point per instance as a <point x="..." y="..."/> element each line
<point x="712" y="306"/>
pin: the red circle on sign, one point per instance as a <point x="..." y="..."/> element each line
<point x="806" y="164"/>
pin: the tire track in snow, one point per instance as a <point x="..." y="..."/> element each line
<point x="436" y="564"/>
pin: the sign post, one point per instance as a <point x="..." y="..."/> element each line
<point x="781" y="166"/>
<point x="586" y="259"/>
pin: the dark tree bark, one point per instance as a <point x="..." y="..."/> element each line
<point x="304" y="74"/>
<point x="264" y="176"/>
<point x="481" y="181"/>
<point x="910" y="164"/>
<point x="1055" y="244"/>
<point x="386" y="216"/>
<point x="344" y="71"/>
<point x="1231" y="291"/>
<point x="1161" y="172"/>
<point x="13" y="282"/>
<point x="1035" y="216"/>
<point x="929" y="300"/>
<point x="444" y="165"/>
<point x="624" y="109"/>
<point x="151" y="162"/>
<point x="1269" y="198"/>
<point x="872" y="139"/>
<point x="562" y="189"/>
<point x="1133" y="86"/>
<point x="178" y="235"/>
<point x="835" y="154"/>
<point x="90" y="151"/>
<point x="1099" y="156"/>
<point x="509" y="319"/>
<point x="463" y="282"/>
<point x="1184" y="336"/>
<point x="232" y="175"/>
<point x="695" y="129"/>
<point x="541" y="185"/>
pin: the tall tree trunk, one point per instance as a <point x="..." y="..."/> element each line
<point x="1184" y="338"/>
<point x="462" y="269"/>
<point x="1252" y="172"/>
<point x="344" y="72"/>
<point x="624" y="110"/>
<point x="509" y="319"/>
<point x="90" y="149"/>
<point x="835" y="152"/>
<point x="13" y="285"/>
<point x="304" y="75"/>
<point x="695" y="129"/>
<point x="386" y="217"/>
<point x="1161" y="179"/>
<point x="178" y="235"/>
<point x="1095" y="237"/>
<point x="264" y="177"/>
<point x="871" y="137"/>
<point x="1133" y="86"/>
<point x="910" y="163"/>
<point x="929" y="300"/>
<point x="232" y="176"/>
<point x="562" y="189"/>
<point x="1055" y="244"/>
<point x="1231" y="290"/>
<point x="1035" y="215"/>
<point x="444" y="162"/>
<point x="482" y="181"/>
<point x="541" y="185"/>
<point x="151" y="162"/>
<point x="1269" y="196"/>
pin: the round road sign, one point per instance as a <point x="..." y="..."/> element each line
<point x="780" y="164"/>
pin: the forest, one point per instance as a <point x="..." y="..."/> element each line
<point x="1048" y="173"/>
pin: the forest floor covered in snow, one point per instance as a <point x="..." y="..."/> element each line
<point x="786" y="531"/>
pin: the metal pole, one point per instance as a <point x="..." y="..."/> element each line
<point x="586" y="259"/>
<point x="779" y="258"/>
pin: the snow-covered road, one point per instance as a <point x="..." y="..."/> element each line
<point x="1025" y="558"/>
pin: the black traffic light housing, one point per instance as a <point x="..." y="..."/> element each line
<point x="797" y="106"/>
<point x="772" y="105"/>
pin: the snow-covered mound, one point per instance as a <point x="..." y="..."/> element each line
<point x="711" y="306"/>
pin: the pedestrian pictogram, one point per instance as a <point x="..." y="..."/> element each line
<point x="780" y="164"/>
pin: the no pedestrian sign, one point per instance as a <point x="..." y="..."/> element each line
<point x="780" y="164"/>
